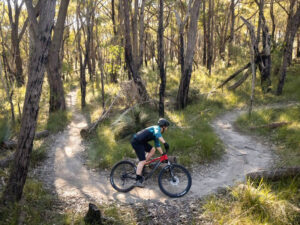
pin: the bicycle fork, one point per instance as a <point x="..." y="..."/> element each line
<point x="171" y="172"/>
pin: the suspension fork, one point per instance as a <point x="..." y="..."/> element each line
<point x="171" y="171"/>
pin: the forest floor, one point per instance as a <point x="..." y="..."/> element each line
<point x="64" y="172"/>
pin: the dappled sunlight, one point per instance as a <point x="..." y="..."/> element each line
<point x="177" y="118"/>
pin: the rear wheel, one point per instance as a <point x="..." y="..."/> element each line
<point x="122" y="176"/>
<point x="174" y="180"/>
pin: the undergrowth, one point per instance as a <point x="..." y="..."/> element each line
<point x="35" y="208"/>
<point x="257" y="203"/>
<point x="57" y="121"/>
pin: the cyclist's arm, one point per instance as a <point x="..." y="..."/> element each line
<point x="160" y="150"/>
<point x="162" y="140"/>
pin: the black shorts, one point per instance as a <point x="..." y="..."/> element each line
<point x="140" y="149"/>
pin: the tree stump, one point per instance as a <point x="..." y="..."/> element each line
<point x="93" y="215"/>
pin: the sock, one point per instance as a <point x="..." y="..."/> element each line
<point x="139" y="177"/>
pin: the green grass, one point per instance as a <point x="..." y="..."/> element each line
<point x="35" y="208"/>
<point x="57" y="121"/>
<point x="5" y="131"/>
<point x="262" y="203"/>
<point x="287" y="138"/>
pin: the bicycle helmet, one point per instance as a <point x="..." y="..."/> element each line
<point x="163" y="122"/>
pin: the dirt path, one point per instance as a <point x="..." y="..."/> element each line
<point x="66" y="175"/>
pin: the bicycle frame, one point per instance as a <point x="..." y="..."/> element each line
<point x="160" y="160"/>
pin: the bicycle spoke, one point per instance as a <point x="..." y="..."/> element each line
<point x="175" y="181"/>
<point x="123" y="176"/>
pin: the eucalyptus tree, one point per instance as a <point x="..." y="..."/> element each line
<point x="41" y="32"/>
<point x="134" y="44"/>
<point x="293" y="23"/>
<point x="57" y="95"/>
<point x="188" y="53"/>
<point x="161" y="58"/>
<point x="16" y="37"/>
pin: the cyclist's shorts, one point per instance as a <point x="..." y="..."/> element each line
<point x="140" y="149"/>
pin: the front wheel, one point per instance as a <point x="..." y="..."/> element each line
<point x="122" y="176"/>
<point x="174" y="180"/>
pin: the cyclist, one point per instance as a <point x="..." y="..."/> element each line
<point x="140" y="144"/>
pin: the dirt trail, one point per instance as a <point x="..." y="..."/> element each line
<point x="66" y="175"/>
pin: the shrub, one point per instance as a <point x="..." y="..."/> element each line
<point x="57" y="121"/>
<point x="134" y="121"/>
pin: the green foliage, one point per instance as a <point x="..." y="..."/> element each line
<point x="105" y="151"/>
<point x="5" y="131"/>
<point x="190" y="136"/>
<point x="262" y="203"/>
<point x="286" y="137"/>
<point x="39" y="153"/>
<point x="36" y="207"/>
<point x="57" y="121"/>
<point x="134" y="121"/>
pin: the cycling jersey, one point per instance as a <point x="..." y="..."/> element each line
<point x="149" y="134"/>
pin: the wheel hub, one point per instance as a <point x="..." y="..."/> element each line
<point x="174" y="181"/>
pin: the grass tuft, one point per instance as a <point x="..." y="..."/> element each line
<point x="35" y="207"/>
<point x="261" y="203"/>
<point x="134" y="121"/>
<point x="57" y="121"/>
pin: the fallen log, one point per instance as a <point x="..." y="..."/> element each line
<point x="42" y="134"/>
<point x="87" y="131"/>
<point x="234" y="75"/>
<point x="240" y="81"/>
<point x="275" y="175"/>
<point x="9" y="144"/>
<point x="12" y="144"/>
<point x="271" y="125"/>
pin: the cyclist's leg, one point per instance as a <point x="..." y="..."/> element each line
<point x="140" y="152"/>
<point x="150" y="153"/>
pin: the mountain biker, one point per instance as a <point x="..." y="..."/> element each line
<point x="140" y="144"/>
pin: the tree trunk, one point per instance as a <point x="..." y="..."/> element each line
<point x="210" y="32"/>
<point x="204" y="60"/>
<point x="183" y="90"/>
<point x="254" y="54"/>
<point x="265" y="61"/>
<point x="298" y="46"/>
<point x="57" y="95"/>
<point x="231" y="37"/>
<point x="291" y="30"/>
<point x="161" y="59"/>
<point x="273" y="21"/>
<point x="130" y="60"/>
<point x="82" y="65"/>
<point x="42" y="30"/>
<point x="15" y="40"/>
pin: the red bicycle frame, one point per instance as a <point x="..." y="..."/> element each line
<point x="161" y="159"/>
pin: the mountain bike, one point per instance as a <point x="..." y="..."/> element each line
<point x="174" y="180"/>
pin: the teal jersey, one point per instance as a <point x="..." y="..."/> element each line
<point x="149" y="134"/>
